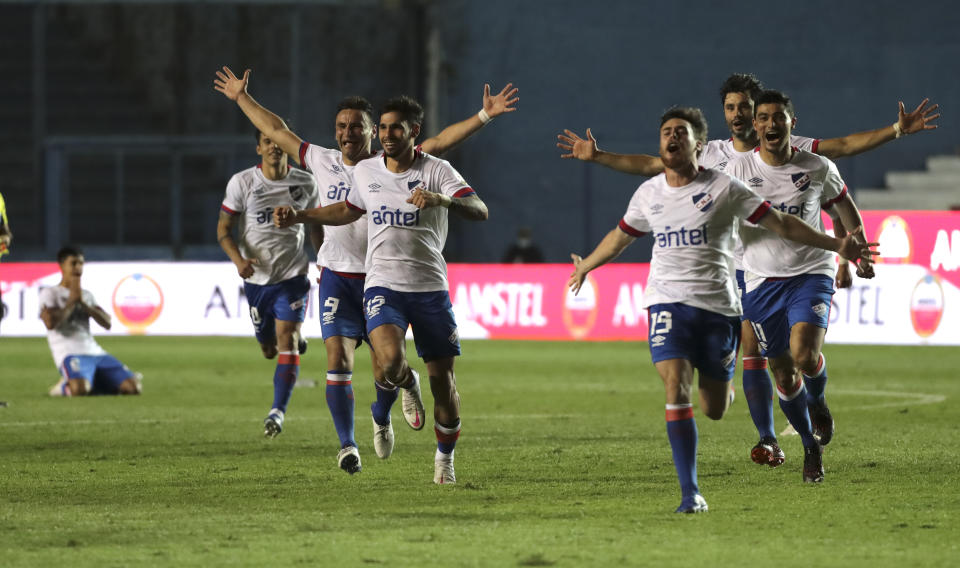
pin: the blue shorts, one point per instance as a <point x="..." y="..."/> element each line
<point x="776" y="305"/>
<point x="103" y="373"/>
<point x="430" y="314"/>
<point x="341" y="305"/>
<point x="285" y="301"/>
<point x="707" y="339"/>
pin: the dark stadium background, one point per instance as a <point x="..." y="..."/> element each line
<point x="112" y="137"/>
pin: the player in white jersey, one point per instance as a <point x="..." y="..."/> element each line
<point x="406" y="195"/>
<point x="737" y="95"/>
<point x="692" y="214"/>
<point x="271" y="262"/>
<point x="788" y="289"/>
<point x="343" y="253"/>
<point x="66" y="310"/>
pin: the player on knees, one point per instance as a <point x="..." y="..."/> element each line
<point x="738" y="95"/>
<point x="406" y="195"/>
<point x="271" y="262"/>
<point x="66" y="310"/>
<point x="341" y="258"/>
<point x="692" y="214"/>
<point x="788" y="288"/>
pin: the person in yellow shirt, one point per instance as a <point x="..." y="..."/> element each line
<point x="5" y="237"/>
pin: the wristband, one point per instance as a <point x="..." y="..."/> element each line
<point x="485" y="118"/>
<point x="898" y="129"/>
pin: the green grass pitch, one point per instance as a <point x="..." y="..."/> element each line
<point x="563" y="461"/>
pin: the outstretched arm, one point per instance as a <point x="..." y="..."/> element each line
<point x="335" y="214"/>
<point x="919" y="120"/>
<point x="265" y="121"/>
<point x="792" y="228"/>
<point x="469" y="207"/>
<point x="493" y="106"/>
<point x="609" y="248"/>
<point x="588" y="151"/>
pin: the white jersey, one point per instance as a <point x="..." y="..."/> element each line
<point x="404" y="243"/>
<point x="345" y="246"/>
<point x="801" y="187"/>
<point x="254" y="197"/>
<point x="692" y="230"/>
<point x="718" y="153"/>
<point x="72" y="336"/>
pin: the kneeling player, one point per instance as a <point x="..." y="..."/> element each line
<point x="66" y="310"/>
<point x="690" y="295"/>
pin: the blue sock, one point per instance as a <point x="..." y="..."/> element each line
<point x="817" y="383"/>
<point x="340" y="403"/>
<point x="284" y="377"/>
<point x="794" y="405"/>
<point x="758" y="390"/>
<point x="381" y="407"/>
<point x="447" y="436"/>
<point x="682" y="433"/>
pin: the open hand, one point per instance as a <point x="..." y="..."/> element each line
<point x="228" y="83"/>
<point x="576" y="147"/>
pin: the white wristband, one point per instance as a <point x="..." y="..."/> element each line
<point x="898" y="129"/>
<point x="485" y="118"/>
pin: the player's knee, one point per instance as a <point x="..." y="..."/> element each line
<point x="130" y="386"/>
<point x="715" y="412"/>
<point x="269" y="351"/>
<point x="78" y="388"/>
<point x="807" y="361"/>
<point x="393" y="370"/>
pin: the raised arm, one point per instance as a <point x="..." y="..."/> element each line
<point x="245" y="266"/>
<point x="586" y="149"/>
<point x="265" y="121"/>
<point x="794" y="229"/>
<point x="469" y="207"/>
<point x="493" y="106"/>
<point x="609" y="248"/>
<point x="335" y="214"/>
<point x="920" y="119"/>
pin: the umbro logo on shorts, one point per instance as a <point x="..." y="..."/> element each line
<point x="294" y="306"/>
<point x="657" y="341"/>
<point x="820" y="309"/>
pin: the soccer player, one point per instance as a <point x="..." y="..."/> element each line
<point x="271" y="262"/>
<point x="693" y="306"/>
<point x="342" y="256"/>
<point x="406" y="194"/>
<point x="738" y="94"/>
<point x="66" y="310"/>
<point x="788" y="289"/>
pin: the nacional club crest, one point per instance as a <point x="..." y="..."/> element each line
<point x="801" y="181"/>
<point x="137" y="302"/>
<point x="703" y="201"/>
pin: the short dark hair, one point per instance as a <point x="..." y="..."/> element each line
<point x="775" y="97"/>
<point x="68" y="251"/>
<point x="692" y="115"/>
<point x="409" y="109"/>
<point x="356" y="103"/>
<point x="741" y="83"/>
